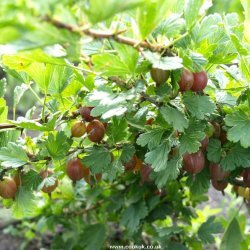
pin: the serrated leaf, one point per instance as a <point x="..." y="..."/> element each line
<point x="174" y="117"/>
<point x="13" y="156"/>
<point x="236" y="156"/>
<point x="170" y="173"/>
<point x="198" y="106"/>
<point x="190" y="140"/>
<point x="150" y="14"/>
<point x="239" y="122"/>
<point x="58" y="145"/>
<point x="232" y="237"/>
<point x="115" y="168"/>
<point x="106" y="103"/>
<point x="207" y="229"/>
<point x="151" y="138"/>
<point x="110" y="65"/>
<point x="18" y="93"/>
<point x="8" y="136"/>
<point x="31" y="180"/>
<point x="238" y="45"/>
<point x="171" y="26"/>
<point x="200" y="184"/>
<point x="128" y="151"/>
<point x="133" y="214"/>
<point x="97" y="159"/>
<point x="214" y="150"/>
<point x="165" y="63"/>
<point x="191" y="11"/>
<point x="22" y="60"/>
<point x="24" y="205"/>
<point x="158" y="158"/>
<point x="91" y="234"/>
<point x="118" y="130"/>
<point x="96" y="11"/>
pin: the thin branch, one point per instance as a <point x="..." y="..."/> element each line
<point x="96" y="34"/>
<point x="9" y="126"/>
<point x="146" y="97"/>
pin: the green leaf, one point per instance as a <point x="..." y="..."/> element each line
<point x="97" y="159"/>
<point x="18" y="93"/>
<point x="128" y="150"/>
<point x="191" y="11"/>
<point x="58" y="145"/>
<point x="200" y="184"/>
<point x="118" y="130"/>
<point x="128" y="55"/>
<point x="25" y="204"/>
<point x="34" y="125"/>
<point x="170" y="27"/>
<point x="158" y="158"/>
<point x="207" y="229"/>
<point x="151" y="138"/>
<point x="236" y="156"/>
<point x="13" y="156"/>
<point x="170" y="173"/>
<point x="239" y="122"/>
<point x="190" y="140"/>
<point x="199" y="106"/>
<point x="150" y="14"/>
<point x="110" y="65"/>
<point x="22" y="60"/>
<point x="8" y="136"/>
<point x="232" y="237"/>
<point x="133" y="214"/>
<point x="246" y="6"/>
<point x="165" y="63"/>
<point x="100" y="10"/>
<point x="94" y="237"/>
<point x="31" y="180"/>
<point x="238" y="45"/>
<point x="3" y="110"/>
<point x="106" y="103"/>
<point x="174" y="117"/>
<point x="214" y="150"/>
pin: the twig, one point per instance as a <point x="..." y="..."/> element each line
<point x="96" y="34"/>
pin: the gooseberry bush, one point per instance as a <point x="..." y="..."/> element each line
<point x="141" y="106"/>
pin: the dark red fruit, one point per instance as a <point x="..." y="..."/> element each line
<point x="200" y="81"/>
<point x="78" y="129"/>
<point x="76" y="170"/>
<point x="105" y="124"/>
<point x="187" y="80"/>
<point x="8" y="188"/>
<point x="96" y="131"/>
<point x="150" y="121"/>
<point x="219" y="185"/>
<point x="223" y="137"/>
<point x="145" y="173"/>
<point x="217" y="129"/>
<point x="85" y="113"/>
<point x="160" y="76"/>
<point x="138" y="164"/>
<point x="246" y="177"/>
<point x="193" y="163"/>
<point x="130" y="165"/>
<point x="204" y="143"/>
<point x="44" y="174"/>
<point x="217" y="173"/>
